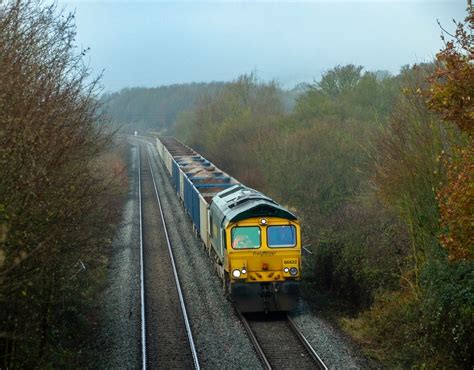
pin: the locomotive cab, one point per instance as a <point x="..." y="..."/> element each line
<point x="260" y="248"/>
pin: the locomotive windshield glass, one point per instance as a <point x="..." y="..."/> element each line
<point x="246" y="237"/>
<point x="281" y="236"/>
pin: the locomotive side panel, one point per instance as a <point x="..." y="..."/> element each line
<point x="215" y="232"/>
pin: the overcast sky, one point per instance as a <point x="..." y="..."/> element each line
<point x="154" y="43"/>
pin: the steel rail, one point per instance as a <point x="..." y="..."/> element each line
<point x="175" y="272"/>
<point x="306" y="344"/>
<point x="254" y="340"/>
<point x="261" y="353"/>
<point x="142" y="273"/>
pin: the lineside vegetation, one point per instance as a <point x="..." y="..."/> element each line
<point x="58" y="188"/>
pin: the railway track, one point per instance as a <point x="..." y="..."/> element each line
<point x="279" y="342"/>
<point x="167" y="340"/>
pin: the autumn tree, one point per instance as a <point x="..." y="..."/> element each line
<point x="53" y="213"/>
<point x="451" y="95"/>
<point x="424" y="170"/>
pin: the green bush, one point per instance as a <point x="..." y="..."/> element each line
<point x="448" y="309"/>
<point x="427" y="328"/>
<point x="361" y="253"/>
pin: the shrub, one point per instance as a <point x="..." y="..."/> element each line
<point x="448" y="309"/>
<point x="362" y="253"/>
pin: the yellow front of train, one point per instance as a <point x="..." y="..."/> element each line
<point x="263" y="261"/>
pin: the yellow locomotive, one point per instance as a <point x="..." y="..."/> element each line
<point x="258" y="244"/>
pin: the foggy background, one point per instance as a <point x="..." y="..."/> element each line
<point x="159" y="43"/>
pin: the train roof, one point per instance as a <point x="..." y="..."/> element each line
<point x="240" y="202"/>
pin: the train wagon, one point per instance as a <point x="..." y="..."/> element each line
<point x="253" y="242"/>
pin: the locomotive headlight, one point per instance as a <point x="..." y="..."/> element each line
<point x="236" y="274"/>
<point x="293" y="271"/>
<point x="244" y="271"/>
<point x="286" y="270"/>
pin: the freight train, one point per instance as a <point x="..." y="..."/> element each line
<point x="253" y="242"/>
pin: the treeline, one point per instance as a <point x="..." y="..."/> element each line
<point x="157" y="109"/>
<point x="142" y="108"/>
<point x="58" y="189"/>
<point x="380" y="170"/>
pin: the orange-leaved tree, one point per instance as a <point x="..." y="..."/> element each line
<point x="451" y="95"/>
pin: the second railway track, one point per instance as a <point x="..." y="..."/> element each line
<point x="279" y="342"/>
<point x="166" y="332"/>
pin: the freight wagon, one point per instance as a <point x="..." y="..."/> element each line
<point x="253" y="242"/>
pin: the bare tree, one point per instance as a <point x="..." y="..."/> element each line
<point x="52" y="211"/>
